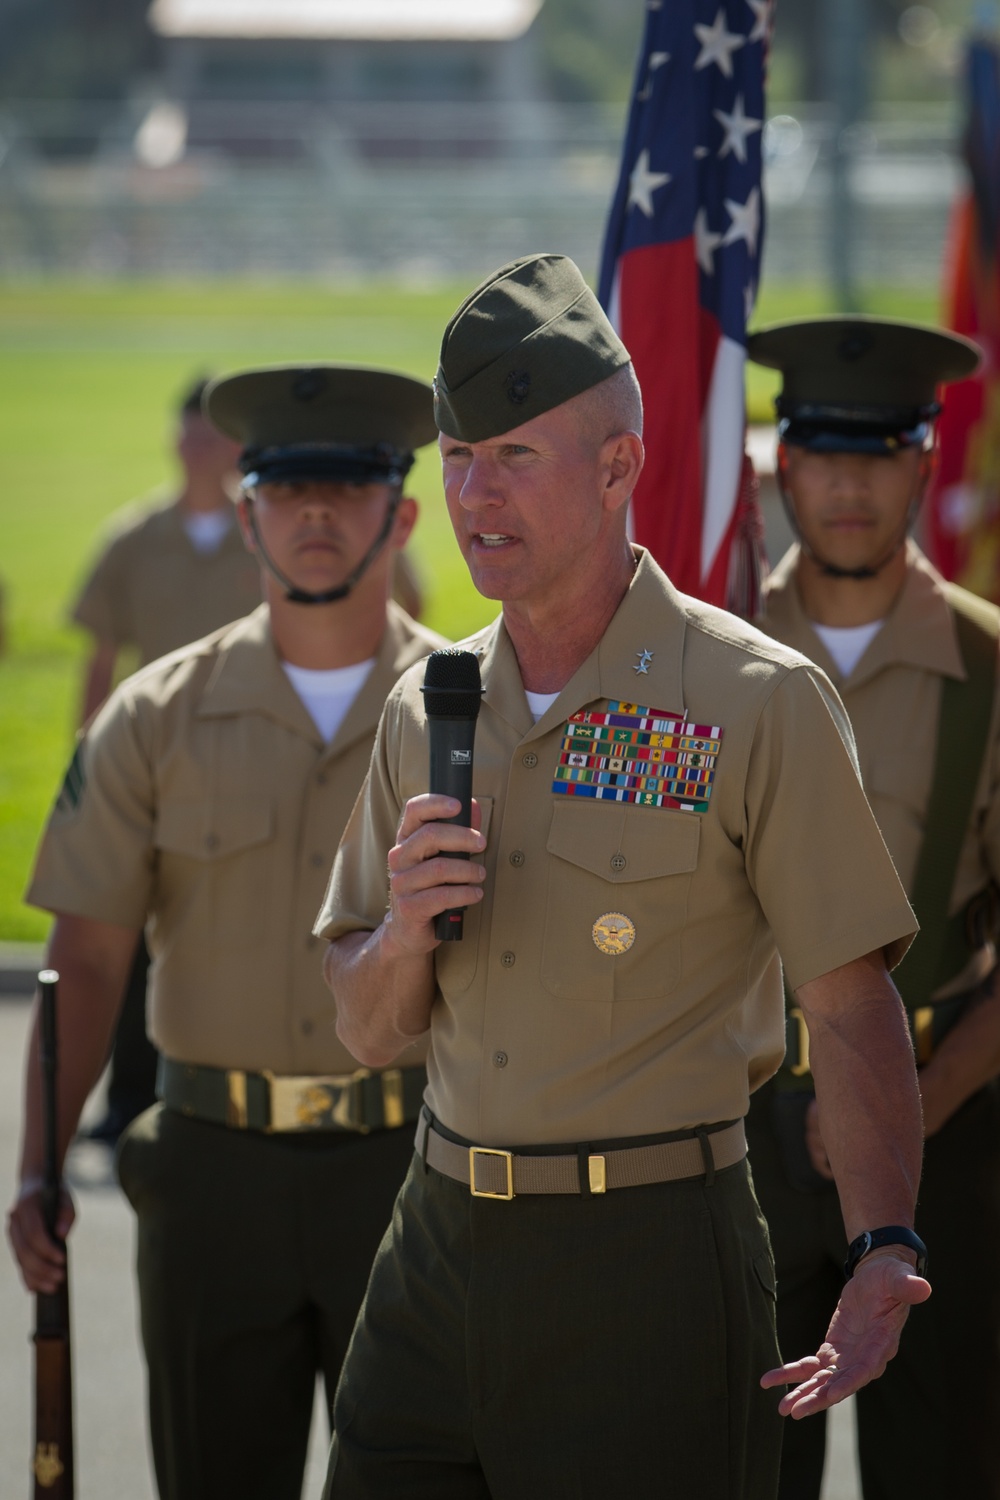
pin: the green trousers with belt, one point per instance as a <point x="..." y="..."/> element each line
<point x="253" y="1255"/>
<point x="929" y="1427"/>
<point x="563" y="1347"/>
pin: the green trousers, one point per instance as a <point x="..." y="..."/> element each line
<point x="563" y="1348"/>
<point x="253" y="1255"/>
<point x="929" y="1428"/>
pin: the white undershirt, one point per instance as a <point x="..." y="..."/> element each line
<point x="539" y="702"/>
<point x="328" y="695"/>
<point x="847" y="644"/>
<point x="206" y="528"/>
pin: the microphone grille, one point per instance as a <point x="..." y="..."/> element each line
<point x="452" y="687"/>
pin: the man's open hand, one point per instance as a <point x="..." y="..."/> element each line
<point x="862" y="1337"/>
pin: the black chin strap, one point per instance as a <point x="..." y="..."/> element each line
<point x="831" y="570"/>
<point x="293" y="593"/>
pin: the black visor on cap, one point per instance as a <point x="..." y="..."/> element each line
<point x="326" y="461"/>
<point x="830" y="428"/>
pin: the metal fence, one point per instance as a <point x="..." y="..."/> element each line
<point x="420" y="191"/>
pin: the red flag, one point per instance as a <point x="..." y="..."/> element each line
<point x="964" y="518"/>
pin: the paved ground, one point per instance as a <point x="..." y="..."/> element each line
<point x="112" y="1459"/>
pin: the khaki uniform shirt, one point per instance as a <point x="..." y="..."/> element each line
<point x="152" y="590"/>
<point x="893" y="697"/>
<point x="539" y="1036"/>
<point x="202" y="797"/>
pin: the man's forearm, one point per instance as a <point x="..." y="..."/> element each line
<point x="383" y="996"/>
<point x="966" y="1059"/>
<point x="866" y="1089"/>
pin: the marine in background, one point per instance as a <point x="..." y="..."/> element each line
<point x="205" y="802"/>
<point x="915" y="661"/>
<point x="169" y="572"/>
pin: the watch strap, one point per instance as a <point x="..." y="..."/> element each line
<point x="877" y="1239"/>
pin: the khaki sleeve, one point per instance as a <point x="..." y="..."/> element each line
<point x="357" y="894"/>
<point x="814" y="853"/>
<point x="96" y="857"/>
<point x="989" y="828"/>
<point x="101" y="606"/>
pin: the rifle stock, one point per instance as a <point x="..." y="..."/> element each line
<point x="52" y="1463"/>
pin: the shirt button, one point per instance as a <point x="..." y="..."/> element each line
<point x="321" y="778"/>
<point x="530" y="760"/>
<point x="307" y="1028"/>
<point x="618" y="862"/>
<point x="516" y="858"/>
<point x="317" y="861"/>
<point x="507" y="959"/>
<point x="211" y="841"/>
<point x="499" y="1059"/>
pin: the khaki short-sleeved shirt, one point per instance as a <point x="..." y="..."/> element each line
<point x="151" y="590"/>
<point x="540" y="1035"/>
<point x="893" y="698"/>
<point x="203" y="798"/>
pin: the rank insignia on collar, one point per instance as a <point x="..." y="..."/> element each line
<point x="646" y="756"/>
<point x="645" y="657"/>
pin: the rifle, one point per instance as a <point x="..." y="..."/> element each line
<point x="53" y="1458"/>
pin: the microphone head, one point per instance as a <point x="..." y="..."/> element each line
<point x="452" y="687"/>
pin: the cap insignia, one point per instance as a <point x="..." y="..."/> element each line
<point x="308" y="385"/>
<point x="856" y="343"/>
<point x="518" y="385"/>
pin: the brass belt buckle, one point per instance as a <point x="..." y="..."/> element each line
<point x="393" y="1108"/>
<point x="800" y="1068"/>
<point x="310" y="1103"/>
<point x="475" y="1151"/>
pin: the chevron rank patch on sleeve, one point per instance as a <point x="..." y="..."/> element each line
<point x="71" y="790"/>
<point x="627" y="753"/>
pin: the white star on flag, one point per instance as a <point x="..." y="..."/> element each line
<point x="737" y="126"/>
<point x="656" y="61"/>
<point x="762" y="24"/>
<point x="718" y="44"/>
<point x="745" y="223"/>
<point x="643" y="184"/>
<point x="705" y="242"/>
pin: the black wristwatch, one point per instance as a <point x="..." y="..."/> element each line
<point x="874" y="1239"/>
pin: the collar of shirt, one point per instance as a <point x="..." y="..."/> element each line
<point x="249" y="679"/>
<point x="649" y="621"/>
<point x="919" y="630"/>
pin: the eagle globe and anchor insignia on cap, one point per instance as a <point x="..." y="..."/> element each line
<point x="614" y="933"/>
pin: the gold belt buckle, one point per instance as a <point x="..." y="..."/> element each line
<point x="393" y="1108"/>
<point x="307" y="1103"/>
<point x="800" y="1068"/>
<point x="475" y="1151"/>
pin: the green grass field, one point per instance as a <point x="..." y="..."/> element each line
<point x="88" y="374"/>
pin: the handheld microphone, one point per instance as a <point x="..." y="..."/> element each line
<point x="452" y="692"/>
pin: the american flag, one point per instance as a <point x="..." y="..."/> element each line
<point x="679" y="279"/>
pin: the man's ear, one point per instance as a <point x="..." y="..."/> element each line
<point x="404" y="521"/>
<point x="243" y="514"/>
<point x="621" y="460"/>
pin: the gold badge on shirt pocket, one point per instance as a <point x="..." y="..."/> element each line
<point x="614" y="933"/>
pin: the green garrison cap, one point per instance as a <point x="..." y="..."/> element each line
<point x="867" y="384"/>
<point x="530" y="337"/>
<point x="323" y="421"/>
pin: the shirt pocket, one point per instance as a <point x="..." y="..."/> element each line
<point x="613" y="861"/>
<point x="216" y="859"/>
<point x="455" y="962"/>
